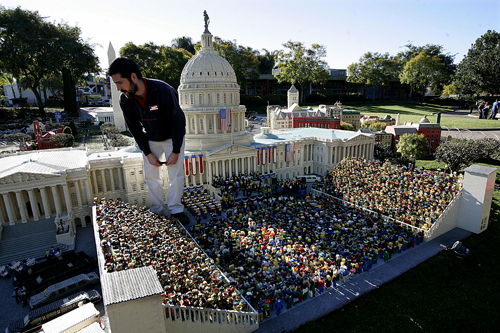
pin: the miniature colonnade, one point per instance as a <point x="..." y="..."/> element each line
<point x="44" y="201"/>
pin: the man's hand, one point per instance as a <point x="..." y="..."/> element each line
<point x="153" y="160"/>
<point x="172" y="159"/>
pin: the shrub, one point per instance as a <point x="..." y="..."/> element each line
<point x="346" y="126"/>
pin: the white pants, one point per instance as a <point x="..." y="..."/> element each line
<point x="163" y="149"/>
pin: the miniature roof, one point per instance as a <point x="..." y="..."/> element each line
<point x="301" y="133"/>
<point x="48" y="162"/>
<point x="126" y="152"/>
<point x="130" y="284"/>
<point x="401" y="129"/>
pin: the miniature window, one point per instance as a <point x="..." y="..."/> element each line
<point x="74" y="200"/>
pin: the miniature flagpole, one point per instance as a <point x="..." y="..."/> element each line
<point x="230" y="125"/>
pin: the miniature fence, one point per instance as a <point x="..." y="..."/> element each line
<point x="442" y="218"/>
<point x="222" y="320"/>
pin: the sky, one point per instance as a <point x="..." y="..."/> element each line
<point x="347" y="29"/>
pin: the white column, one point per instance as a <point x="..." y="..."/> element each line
<point x="112" y="178"/>
<point x="94" y="181"/>
<point x="34" y="205"/>
<point x="45" y="202"/>
<point x="78" y="193"/>
<point x="188" y="119"/>
<point x="103" y="180"/>
<point x="10" y="210"/>
<point x="215" y="123"/>
<point x="87" y="190"/>
<point x="57" y="201"/>
<point x="195" y="124"/>
<point x="67" y="199"/>
<point x="22" y="207"/>
<point x="120" y="177"/>
<point x="205" y="124"/>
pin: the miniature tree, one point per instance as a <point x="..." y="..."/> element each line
<point x="413" y="146"/>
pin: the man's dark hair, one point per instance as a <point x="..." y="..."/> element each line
<point x="125" y="67"/>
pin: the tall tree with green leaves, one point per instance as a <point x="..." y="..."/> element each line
<point x="373" y="69"/>
<point x="412" y="146"/>
<point x="446" y="58"/>
<point x="158" y="61"/>
<point x="479" y="71"/>
<point x="8" y="79"/>
<point x="267" y="61"/>
<point x="422" y="71"/>
<point x="243" y="59"/>
<point x="32" y="48"/>
<point x="298" y="64"/>
<point x="185" y="43"/>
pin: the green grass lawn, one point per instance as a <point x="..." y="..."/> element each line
<point x="415" y="112"/>
<point x="446" y="293"/>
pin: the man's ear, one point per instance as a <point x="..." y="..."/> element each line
<point x="133" y="78"/>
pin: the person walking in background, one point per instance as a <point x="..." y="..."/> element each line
<point x="155" y="119"/>
<point x="480" y="110"/>
<point x="494" y="110"/>
<point x="486" y="110"/>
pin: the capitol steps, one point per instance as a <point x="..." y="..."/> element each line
<point x="27" y="240"/>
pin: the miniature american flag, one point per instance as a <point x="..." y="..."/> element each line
<point x="289" y="151"/>
<point x="225" y="119"/>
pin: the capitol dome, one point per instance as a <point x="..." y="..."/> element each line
<point x="207" y="67"/>
<point x="207" y="89"/>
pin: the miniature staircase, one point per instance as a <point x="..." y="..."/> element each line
<point x="27" y="240"/>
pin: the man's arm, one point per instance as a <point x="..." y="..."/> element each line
<point x="134" y="125"/>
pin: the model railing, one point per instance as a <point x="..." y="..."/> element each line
<point x="212" y="316"/>
<point x="445" y="212"/>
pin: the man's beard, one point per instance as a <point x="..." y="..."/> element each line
<point x="130" y="93"/>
